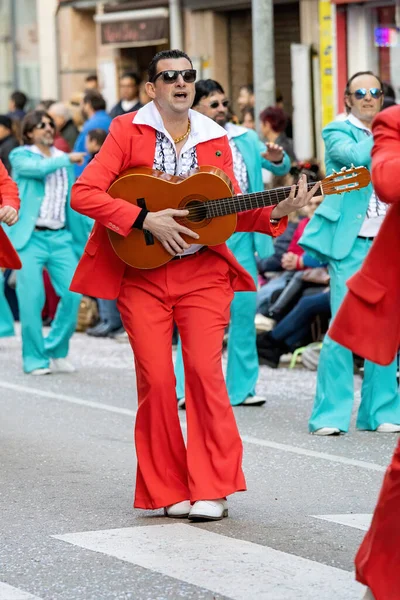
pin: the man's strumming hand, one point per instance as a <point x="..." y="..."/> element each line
<point x="8" y="215"/>
<point x="295" y="201"/>
<point x="163" y="226"/>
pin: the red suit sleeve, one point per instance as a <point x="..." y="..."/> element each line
<point x="386" y="154"/>
<point x="89" y="194"/>
<point x="8" y="189"/>
<point x="252" y="220"/>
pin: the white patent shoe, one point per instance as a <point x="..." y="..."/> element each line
<point x="180" y="510"/>
<point x="326" y="431"/>
<point x="62" y="365"/>
<point x="209" y="510"/>
<point x="253" y="401"/>
<point x="388" y="428"/>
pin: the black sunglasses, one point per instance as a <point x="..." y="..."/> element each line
<point x="188" y="76"/>
<point x="42" y="125"/>
<point x="362" y="92"/>
<point x="216" y="103"/>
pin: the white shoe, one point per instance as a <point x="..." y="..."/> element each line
<point x="368" y="595"/>
<point x="122" y="338"/>
<point x="253" y="401"/>
<point x="209" y="510"/>
<point x="44" y="371"/>
<point x="388" y="428"/>
<point x="264" y="323"/>
<point x="61" y="365"/>
<point x="182" y="403"/>
<point x="180" y="510"/>
<point x="327" y="431"/>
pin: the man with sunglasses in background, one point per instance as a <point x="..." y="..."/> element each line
<point x="194" y="289"/>
<point x="250" y="155"/>
<point x="48" y="234"/>
<point x="341" y="233"/>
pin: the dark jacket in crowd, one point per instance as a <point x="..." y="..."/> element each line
<point x="69" y="132"/>
<point x="6" y="145"/>
<point x="117" y="111"/>
<point x="281" y="244"/>
<point x="16" y="115"/>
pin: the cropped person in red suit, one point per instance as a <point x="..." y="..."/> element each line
<point x="194" y="289"/>
<point x="369" y="324"/>
<point x="9" y="207"/>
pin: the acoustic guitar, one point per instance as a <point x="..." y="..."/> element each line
<point x="207" y="193"/>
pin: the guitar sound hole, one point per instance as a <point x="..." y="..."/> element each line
<point x="197" y="211"/>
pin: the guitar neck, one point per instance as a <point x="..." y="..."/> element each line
<point x="243" y="202"/>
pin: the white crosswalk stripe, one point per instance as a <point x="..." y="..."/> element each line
<point x="358" y="521"/>
<point x="234" y="568"/>
<point x="7" y="592"/>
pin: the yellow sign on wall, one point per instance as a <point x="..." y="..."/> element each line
<point x="326" y="61"/>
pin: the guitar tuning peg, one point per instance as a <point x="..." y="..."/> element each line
<point x="343" y="169"/>
<point x="334" y="172"/>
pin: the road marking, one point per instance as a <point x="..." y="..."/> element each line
<point x="358" y="521"/>
<point x="7" y="592"/>
<point x="234" y="568"/>
<point x="246" y="438"/>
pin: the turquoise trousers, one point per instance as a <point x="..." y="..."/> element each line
<point x="53" y="250"/>
<point x="242" y="368"/>
<point x="334" y="397"/>
<point x="6" y="316"/>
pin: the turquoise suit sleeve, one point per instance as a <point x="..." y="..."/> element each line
<point x="33" y="167"/>
<point x="342" y="149"/>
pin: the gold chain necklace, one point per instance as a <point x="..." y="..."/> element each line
<point x="182" y="137"/>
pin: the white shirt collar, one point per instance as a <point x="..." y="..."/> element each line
<point x="357" y="123"/>
<point x="202" y="129"/>
<point x="54" y="151"/>
<point x="234" y="130"/>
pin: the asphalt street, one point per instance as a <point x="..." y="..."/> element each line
<point x="67" y="467"/>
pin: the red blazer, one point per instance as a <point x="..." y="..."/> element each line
<point x="368" y="321"/>
<point x="100" y="270"/>
<point x="8" y="197"/>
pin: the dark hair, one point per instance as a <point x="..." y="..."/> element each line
<point x="95" y="99"/>
<point x="275" y="117"/>
<point x="134" y="76"/>
<point x="30" y="121"/>
<point x="19" y="99"/>
<point x="6" y="122"/>
<point x="249" y="87"/>
<point x="164" y="55"/>
<point x="358" y="74"/>
<point x="388" y="90"/>
<point x="92" y="77"/>
<point x="98" y="135"/>
<point x="249" y="110"/>
<point x="206" y="87"/>
<point x="45" y="104"/>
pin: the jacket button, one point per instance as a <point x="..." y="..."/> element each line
<point x="359" y="216"/>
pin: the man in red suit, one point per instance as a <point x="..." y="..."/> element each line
<point x="194" y="289"/>
<point x="9" y="207"/>
<point x="369" y="324"/>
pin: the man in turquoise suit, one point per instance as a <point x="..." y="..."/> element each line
<point x="249" y="157"/>
<point x="341" y="233"/>
<point x="48" y="234"/>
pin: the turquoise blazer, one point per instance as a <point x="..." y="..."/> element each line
<point x="245" y="245"/>
<point x="29" y="172"/>
<point x="331" y="233"/>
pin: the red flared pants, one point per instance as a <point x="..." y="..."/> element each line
<point x="378" y="559"/>
<point x="196" y="293"/>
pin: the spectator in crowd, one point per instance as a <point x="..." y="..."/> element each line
<point x="294" y="330"/>
<point x="44" y="105"/>
<point x="129" y="95"/>
<point x="16" y="106"/>
<point x="92" y="83"/>
<point x="341" y="233"/>
<point x="246" y="97"/>
<point x="8" y="141"/>
<point x="248" y="118"/>
<point x="249" y="156"/>
<point x="94" y="141"/>
<point x="273" y="125"/>
<point x="66" y="128"/>
<point x="94" y="109"/>
<point x="279" y="103"/>
<point x="44" y="237"/>
<point x="389" y="95"/>
<point x="144" y="98"/>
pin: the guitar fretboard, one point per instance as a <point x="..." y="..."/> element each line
<point x="243" y="202"/>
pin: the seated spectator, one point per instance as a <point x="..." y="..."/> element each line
<point x="94" y="141"/>
<point x="8" y="141"/>
<point x="295" y="330"/>
<point x="273" y="124"/>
